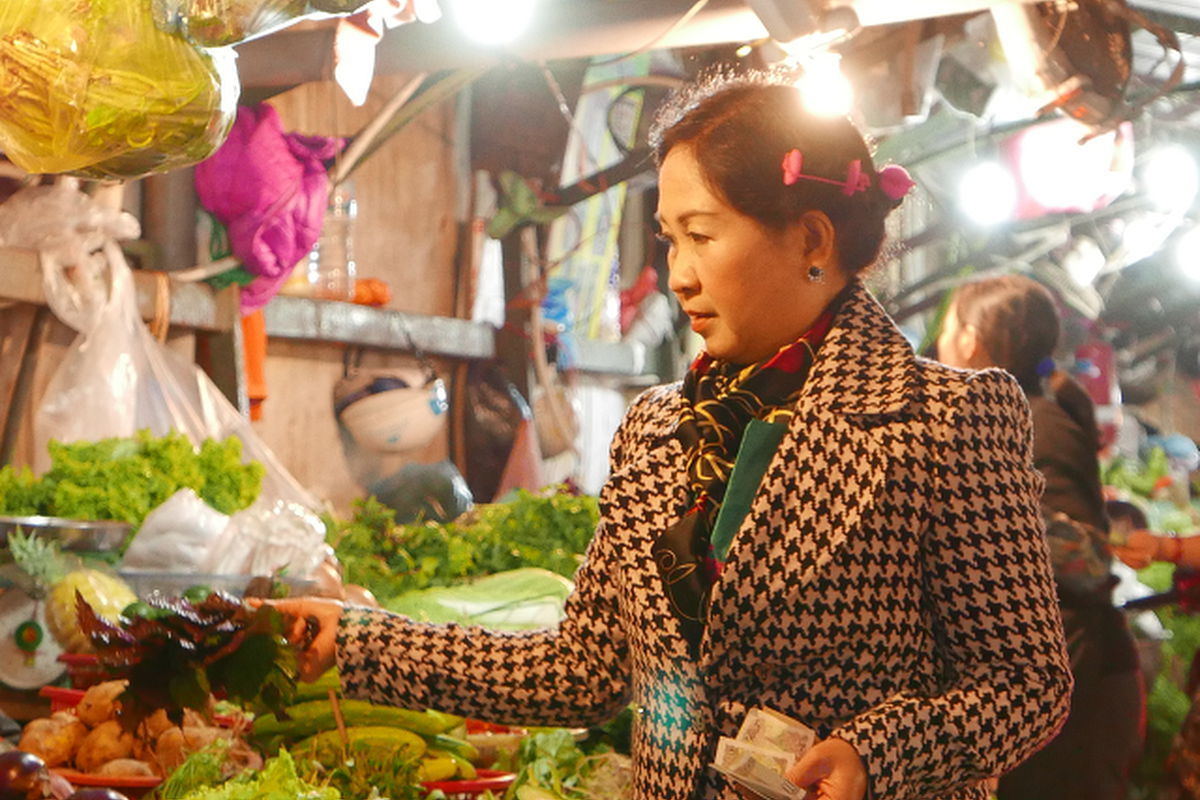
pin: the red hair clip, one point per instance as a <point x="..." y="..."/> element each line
<point x="793" y="164"/>
<point x="856" y="181"/>
<point x="793" y="170"/>
<point x="894" y="180"/>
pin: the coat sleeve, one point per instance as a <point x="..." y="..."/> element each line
<point x="576" y="673"/>
<point x="991" y="600"/>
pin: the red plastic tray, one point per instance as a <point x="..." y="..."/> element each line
<point x="61" y="698"/>
<point x="128" y="786"/>
<point x="488" y="780"/>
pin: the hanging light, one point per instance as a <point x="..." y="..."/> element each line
<point x="492" y="22"/>
<point x="825" y="89"/>
<point x="1170" y="178"/>
<point x="1187" y="254"/>
<point x="1084" y="260"/>
<point x="987" y="194"/>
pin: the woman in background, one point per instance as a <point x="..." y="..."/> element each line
<point x="1012" y="322"/>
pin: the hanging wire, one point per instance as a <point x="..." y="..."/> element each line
<point x="650" y="45"/>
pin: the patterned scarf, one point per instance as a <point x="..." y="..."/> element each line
<point x="721" y="400"/>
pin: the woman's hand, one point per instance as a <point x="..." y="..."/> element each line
<point x="312" y="624"/>
<point x="832" y="769"/>
<point x="1139" y="549"/>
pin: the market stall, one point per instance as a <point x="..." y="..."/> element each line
<point x="347" y="299"/>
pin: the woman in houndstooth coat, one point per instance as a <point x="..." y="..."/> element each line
<point x="874" y="566"/>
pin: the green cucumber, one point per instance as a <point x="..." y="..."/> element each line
<point x="319" y="689"/>
<point x="376" y="741"/>
<point x="314" y="716"/>
<point x="453" y="746"/>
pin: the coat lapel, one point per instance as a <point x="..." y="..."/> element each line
<point x="827" y="473"/>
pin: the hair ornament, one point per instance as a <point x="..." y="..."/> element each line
<point x="1045" y="368"/>
<point x="895" y="182"/>
<point x="856" y="181"/>
<point x="793" y="165"/>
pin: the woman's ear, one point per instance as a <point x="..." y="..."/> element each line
<point x="813" y="240"/>
<point x="971" y="347"/>
<point x="819" y="245"/>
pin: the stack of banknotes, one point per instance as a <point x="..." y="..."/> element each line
<point x="766" y="745"/>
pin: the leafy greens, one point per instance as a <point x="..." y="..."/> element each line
<point x="126" y="478"/>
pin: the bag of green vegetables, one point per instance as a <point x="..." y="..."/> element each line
<point x="94" y="88"/>
<point x="215" y="23"/>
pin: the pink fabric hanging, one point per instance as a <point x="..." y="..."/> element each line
<point x="269" y="189"/>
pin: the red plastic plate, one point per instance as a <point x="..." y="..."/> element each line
<point x="488" y="780"/>
<point x="109" y="781"/>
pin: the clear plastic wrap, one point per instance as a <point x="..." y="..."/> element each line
<point x="216" y="23"/>
<point x="94" y="88"/>
<point x="338" y="6"/>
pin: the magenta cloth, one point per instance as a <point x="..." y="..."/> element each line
<point x="269" y="189"/>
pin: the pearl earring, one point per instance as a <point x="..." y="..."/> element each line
<point x="816" y="274"/>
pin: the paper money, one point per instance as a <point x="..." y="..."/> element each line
<point x="759" y="769"/>
<point x="766" y="727"/>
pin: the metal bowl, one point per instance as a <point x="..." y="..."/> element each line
<point x="77" y="535"/>
<point x="166" y="585"/>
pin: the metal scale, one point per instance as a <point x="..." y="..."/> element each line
<point x="28" y="652"/>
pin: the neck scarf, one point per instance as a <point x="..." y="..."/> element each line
<point x="721" y="400"/>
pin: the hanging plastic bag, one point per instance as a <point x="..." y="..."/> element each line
<point x="117" y="378"/>
<point x="95" y="89"/>
<point x="215" y="23"/>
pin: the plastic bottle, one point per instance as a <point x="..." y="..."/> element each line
<point x="330" y="264"/>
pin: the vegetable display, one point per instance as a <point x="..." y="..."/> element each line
<point x="554" y="767"/>
<point x="279" y="779"/>
<point x="127" y="478"/>
<point x="1164" y="497"/>
<point x="92" y="738"/>
<point x="375" y="747"/>
<point x="200" y="645"/>
<point x="550" y="530"/>
<point x="95" y="89"/>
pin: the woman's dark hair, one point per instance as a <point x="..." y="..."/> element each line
<point x="1018" y="325"/>
<point x="740" y="127"/>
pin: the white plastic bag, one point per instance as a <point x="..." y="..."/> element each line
<point x="117" y="378"/>
<point x="264" y="541"/>
<point x="178" y="536"/>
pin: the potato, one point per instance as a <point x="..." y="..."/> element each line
<point x="99" y="702"/>
<point x="153" y="725"/>
<point x="169" y="750"/>
<point x="54" y="739"/>
<point x="197" y="737"/>
<point x="126" y="768"/>
<point x="104" y="743"/>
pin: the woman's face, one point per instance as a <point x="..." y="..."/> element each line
<point x="953" y="343"/>
<point x="744" y="286"/>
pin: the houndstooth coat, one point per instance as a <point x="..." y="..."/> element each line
<point x="890" y="586"/>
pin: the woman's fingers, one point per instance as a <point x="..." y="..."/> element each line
<point x="310" y="625"/>
<point x="833" y="769"/>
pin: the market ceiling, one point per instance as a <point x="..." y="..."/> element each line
<point x="929" y="99"/>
